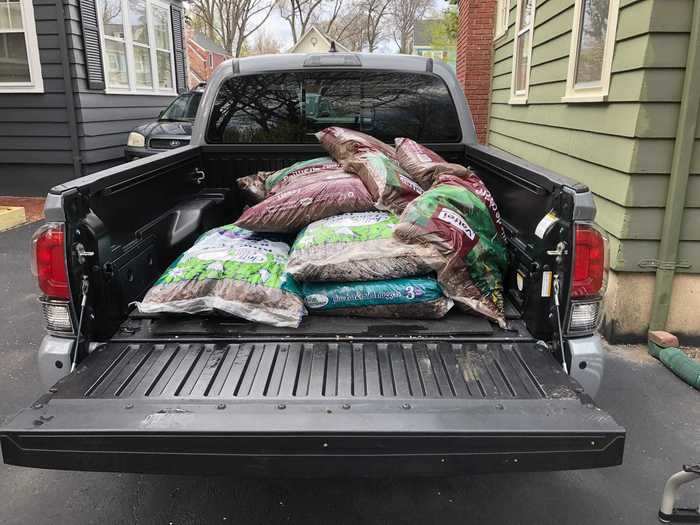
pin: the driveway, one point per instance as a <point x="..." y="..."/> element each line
<point x="660" y="412"/>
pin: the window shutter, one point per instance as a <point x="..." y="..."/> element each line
<point x="91" y="43"/>
<point x="179" y="49"/>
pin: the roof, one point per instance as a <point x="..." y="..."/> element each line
<point x="315" y="31"/>
<point x="423" y="31"/>
<point x="207" y="43"/>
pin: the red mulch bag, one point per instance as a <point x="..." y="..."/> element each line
<point x="459" y="218"/>
<point x="343" y="143"/>
<point x="422" y="164"/>
<point x="306" y="200"/>
<point x="388" y="184"/>
<point x="280" y="179"/>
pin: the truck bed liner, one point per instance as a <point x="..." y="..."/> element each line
<point x="282" y="370"/>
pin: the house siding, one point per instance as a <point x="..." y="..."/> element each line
<point x="35" y="144"/>
<point x="104" y="120"/>
<point x="35" y="139"/>
<point x="621" y="149"/>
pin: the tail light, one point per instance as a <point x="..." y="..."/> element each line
<point x="589" y="279"/>
<point x="49" y="262"/>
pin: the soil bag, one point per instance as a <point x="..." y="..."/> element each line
<point x="307" y="200"/>
<point x="409" y="297"/>
<point x="388" y="184"/>
<point x="232" y="271"/>
<point x="422" y="164"/>
<point x="342" y="144"/>
<point x="357" y="247"/>
<point x="459" y="219"/>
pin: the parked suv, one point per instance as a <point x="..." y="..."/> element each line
<point x="172" y="129"/>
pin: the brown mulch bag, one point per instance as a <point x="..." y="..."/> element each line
<point x="307" y="200"/>
<point x="357" y="247"/>
<point x="422" y="164"/>
<point x="388" y="184"/>
<point x="343" y="144"/>
<point x="253" y="186"/>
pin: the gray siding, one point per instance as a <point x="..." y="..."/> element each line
<point x="104" y="121"/>
<point x="35" y="144"/>
<point x="35" y="147"/>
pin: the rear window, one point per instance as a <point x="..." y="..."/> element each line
<point x="289" y="107"/>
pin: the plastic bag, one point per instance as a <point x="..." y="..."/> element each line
<point x="459" y="218"/>
<point x="388" y="184"/>
<point x="356" y="247"/>
<point x="253" y="186"/>
<point x="233" y="271"/>
<point x="422" y="164"/>
<point x="409" y="297"/>
<point x="308" y="199"/>
<point x="279" y="179"/>
<point x="342" y="144"/>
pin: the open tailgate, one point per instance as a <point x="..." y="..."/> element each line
<point x="315" y="409"/>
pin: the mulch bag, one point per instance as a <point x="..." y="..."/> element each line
<point x="459" y="218"/>
<point x="422" y="164"/>
<point x="342" y="144"/>
<point x="279" y="179"/>
<point x="356" y="247"/>
<point x="253" y="186"/>
<point x="233" y="271"/>
<point x="409" y="297"/>
<point x="308" y="199"/>
<point x="388" y="184"/>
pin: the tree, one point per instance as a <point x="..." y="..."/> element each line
<point x="299" y="14"/>
<point x="263" y="44"/>
<point x="374" y="12"/>
<point x="404" y="14"/>
<point x="230" y="22"/>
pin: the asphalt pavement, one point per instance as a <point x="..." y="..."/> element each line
<point x="660" y="412"/>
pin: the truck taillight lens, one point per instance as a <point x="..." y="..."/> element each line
<point x="49" y="261"/>
<point x="589" y="280"/>
<point x="589" y="262"/>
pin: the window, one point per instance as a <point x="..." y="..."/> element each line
<point x="291" y="107"/>
<point x="137" y="46"/>
<point x="522" y="49"/>
<point x="592" y="45"/>
<point x="183" y="108"/>
<point x="502" y="11"/>
<point x="20" y="69"/>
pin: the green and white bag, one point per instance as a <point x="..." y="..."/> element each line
<point x="357" y="247"/>
<point x="233" y="271"/>
<point x="409" y="297"/>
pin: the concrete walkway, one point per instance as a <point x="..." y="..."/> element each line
<point x="660" y="412"/>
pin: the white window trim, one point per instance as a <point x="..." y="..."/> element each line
<point x="36" y="82"/>
<point x="521" y="97"/>
<point x="501" y="23"/>
<point x="129" y="44"/>
<point x="596" y="92"/>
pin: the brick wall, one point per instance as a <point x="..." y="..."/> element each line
<point x="474" y="48"/>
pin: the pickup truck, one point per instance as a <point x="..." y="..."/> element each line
<point x="336" y="396"/>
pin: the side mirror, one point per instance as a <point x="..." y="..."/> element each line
<point x="160" y="113"/>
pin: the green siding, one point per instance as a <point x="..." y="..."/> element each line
<point x="622" y="148"/>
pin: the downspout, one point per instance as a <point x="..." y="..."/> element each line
<point x="678" y="180"/>
<point x="68" y="88"/>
